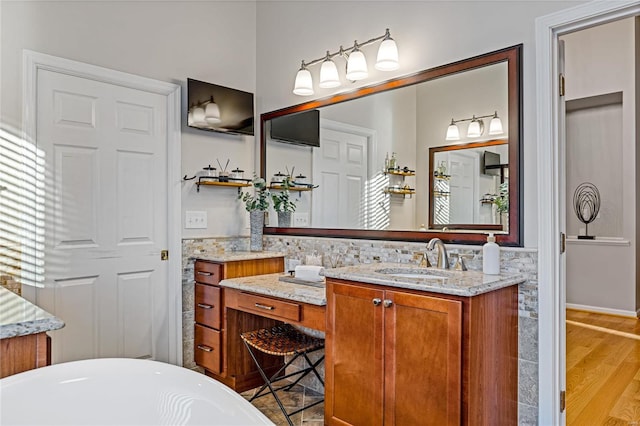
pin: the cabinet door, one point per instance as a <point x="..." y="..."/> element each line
<point x="423" y="337"/>
<point x="354" y="365"/>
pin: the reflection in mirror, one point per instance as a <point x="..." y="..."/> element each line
<point x="469" y="186"/>
<point x="372" y="175"/>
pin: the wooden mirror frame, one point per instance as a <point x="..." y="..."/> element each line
<point x="448" y="148"/>
<point x="513" y="57"/>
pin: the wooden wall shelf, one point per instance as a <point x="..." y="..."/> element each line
<point x="401" y="172"/>
<point x="227" y="184"/>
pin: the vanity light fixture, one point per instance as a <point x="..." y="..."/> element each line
<point x="204" y="113"/>
<point x="476" y="127"/>
<point x="356" y="66"/>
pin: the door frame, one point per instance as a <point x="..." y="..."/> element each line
<point x="34" y="61"/>
<point x="551" y="173"/>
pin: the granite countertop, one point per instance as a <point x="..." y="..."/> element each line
<point x="270" y="285"/>
<point x="234" y="256"/>
<point x="460" y="283"/>
<point x="19" y="317"/>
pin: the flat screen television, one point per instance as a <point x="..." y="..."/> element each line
<point x="234" y="112"/>
<point x="491" y="163"/>
<point x="302" y="128"/>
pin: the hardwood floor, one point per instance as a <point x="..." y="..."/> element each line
<point x="603" y="369"/>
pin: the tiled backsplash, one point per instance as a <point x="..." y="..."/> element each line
<point x="344" y="252"/>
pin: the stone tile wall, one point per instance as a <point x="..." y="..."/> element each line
<point x="344" y="252"/>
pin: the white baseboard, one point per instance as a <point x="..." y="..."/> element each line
<point x="601" y="310"/>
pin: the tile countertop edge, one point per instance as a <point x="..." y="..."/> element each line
<point x="236" y="256"/>
<point x="468" y="283"/>
<point x="19" y="317"/>
<point x="270" y="285"/>
<point x="30" y="327"/>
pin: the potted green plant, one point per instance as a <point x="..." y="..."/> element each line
<point x="256" y="204"/>
<point x="502" y="201"/>
<point x="282" y="203"/>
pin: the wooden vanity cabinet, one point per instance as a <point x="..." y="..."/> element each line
<point x="217" y="347"/>
<point x="400" y="357"/>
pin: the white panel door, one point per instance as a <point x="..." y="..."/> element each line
<point x="105" y="217"/>
<point x="463" y="199"/>
<point x="340" y="170"/>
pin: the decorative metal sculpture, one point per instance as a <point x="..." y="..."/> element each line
<point x="586" y="204"/>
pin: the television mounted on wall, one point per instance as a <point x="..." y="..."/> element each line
<point x="302" y="128"/>
<point x="218" y="108"/>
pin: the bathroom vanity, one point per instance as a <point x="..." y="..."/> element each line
<point x="24" y="343"/>
<point x="216" y="340"/>
<point x="421" y="346"/>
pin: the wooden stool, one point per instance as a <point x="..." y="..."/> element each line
<point x="283" y="340"/>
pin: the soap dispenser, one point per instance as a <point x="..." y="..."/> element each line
<point x="491" y="256"/>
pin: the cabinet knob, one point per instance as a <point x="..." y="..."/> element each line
<point x="387" y="303"/>
<point x="376" y="301"/>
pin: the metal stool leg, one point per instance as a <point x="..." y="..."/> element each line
<point x="267" y="382"/>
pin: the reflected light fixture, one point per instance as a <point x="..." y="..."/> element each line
<point x="495" y="126"/>
<point x="212" y="112"/>
<point x="356" y="65"/>
<point x="198" y="115"/>
<point x="204" y="114"/>
<point x="476" y="127"/>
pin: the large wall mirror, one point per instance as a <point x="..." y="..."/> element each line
<point x="408" y="159"/>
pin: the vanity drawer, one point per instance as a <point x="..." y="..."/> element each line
<point x="208" y="307"/>
<point x="207" y="273"/>
<point x="207" y="348"/>
<point x="267" y="307"/>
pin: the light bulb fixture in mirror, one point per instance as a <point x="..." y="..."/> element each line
<point x="356" y="65"/>
<point x="476" y="127"/>
<point x="204" y="114"/>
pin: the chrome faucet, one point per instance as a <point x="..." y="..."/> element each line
<point x="443" y="258"/>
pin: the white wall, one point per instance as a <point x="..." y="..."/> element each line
<point x="213" y="41"/>
<point x="428" y="34"/>
<point x="599" y="61"/>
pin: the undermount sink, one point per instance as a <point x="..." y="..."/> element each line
<point x="414" y="273"/>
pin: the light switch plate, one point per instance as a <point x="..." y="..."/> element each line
<point x="195" y="219"/>
<point x="300" y="219"/>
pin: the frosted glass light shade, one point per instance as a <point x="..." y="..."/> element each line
<point x="198" y="115"/>
<point x="387" y="56"/>
<point x="329" y="75"/>
<point x="212" y="113"/>
<point x="304" y="83"/>
<point x="357" y="66"/>
<point x="475" y="128"/>
<point x="495" y="126"/>
<point x="453" y="133"/>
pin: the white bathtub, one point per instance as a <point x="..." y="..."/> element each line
<point x="121" y="392"/>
